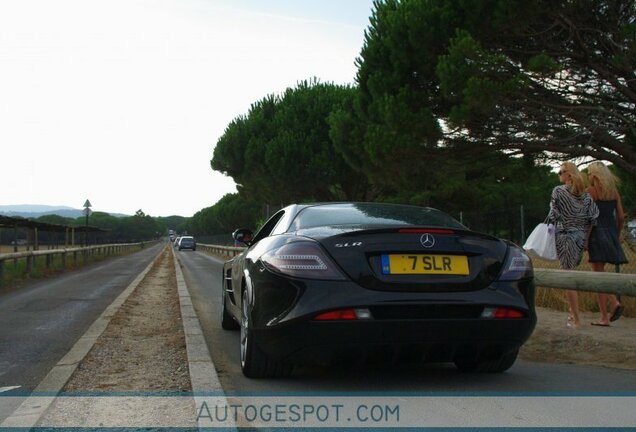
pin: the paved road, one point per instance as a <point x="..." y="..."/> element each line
<point x="203" y="276"/>
<point x="40" y="322"/>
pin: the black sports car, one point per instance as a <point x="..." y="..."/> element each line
<point x="370" y="282"/>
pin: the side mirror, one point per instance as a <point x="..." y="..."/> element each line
<point x="243" y="235"/>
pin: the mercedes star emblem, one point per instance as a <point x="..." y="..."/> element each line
<point x="427" y="240"/>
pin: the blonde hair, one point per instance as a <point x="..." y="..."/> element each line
<point x="578" y="181"/>
<point x="603" y="180"/>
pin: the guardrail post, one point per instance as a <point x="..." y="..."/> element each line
<point x="1" y="271"/>
<point x="64" y="260"/>
<point x="75" y="258"/>
<point x="48" y="261"/>
<point x="29" y="264"/>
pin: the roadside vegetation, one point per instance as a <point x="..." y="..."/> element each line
<point x="112" y="230"/>
<point x="129" y="229"/>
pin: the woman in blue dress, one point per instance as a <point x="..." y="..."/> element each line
<point x="604" y="244"/>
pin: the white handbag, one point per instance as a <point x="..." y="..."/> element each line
<point x="541" y="242"/>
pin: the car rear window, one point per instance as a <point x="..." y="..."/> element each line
<point x="372" y="214"/>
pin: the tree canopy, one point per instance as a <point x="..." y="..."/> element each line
<point x="281" y="150"/>
<point x="550" y="78"/>
<point x="230" y="212"/>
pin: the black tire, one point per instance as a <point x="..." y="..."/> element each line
<point x="255" y="363"/>
<point x="227" y="321"/>
<point x="487" y="365"/>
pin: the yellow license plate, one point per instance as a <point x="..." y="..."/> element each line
<point x="425" y="264"/>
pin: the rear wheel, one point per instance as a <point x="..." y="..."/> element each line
<point x="488" y="365"/>
<point x="255" y="363"/>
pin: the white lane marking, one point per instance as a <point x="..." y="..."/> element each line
<point x="6" y="389"/>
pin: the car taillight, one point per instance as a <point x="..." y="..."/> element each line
<point x="344" y="315"/>
<point x="518" y="265"/>
<point x="501" y="313"/>
<point x="302" y="259"/>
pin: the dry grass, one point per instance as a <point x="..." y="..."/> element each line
<point x="9" y="249"/>
<point x="555" y="299"/>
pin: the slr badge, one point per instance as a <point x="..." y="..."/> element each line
<point x="345" y="245"/>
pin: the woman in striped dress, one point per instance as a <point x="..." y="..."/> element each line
<point x="573" y="212"/>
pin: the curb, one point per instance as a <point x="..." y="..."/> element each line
<point x="203" y="376"/>
<point x="202" y="371"/>
<point x="29" y="412"/>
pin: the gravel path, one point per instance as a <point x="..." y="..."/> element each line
<point x="554" y="342"/>
<point x="143" y="347"/>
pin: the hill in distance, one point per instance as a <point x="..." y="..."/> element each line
<point x="33" y="211"/>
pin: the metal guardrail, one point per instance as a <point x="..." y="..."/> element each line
<point x="85" y="252"/>
<point x="228" y="251"/>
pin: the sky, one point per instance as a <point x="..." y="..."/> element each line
<point x="121" y="102"/>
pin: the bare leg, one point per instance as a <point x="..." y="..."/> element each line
<point x="602" y="305"/>
<point x="602" y="297"/>
<point x="573" y="300"/>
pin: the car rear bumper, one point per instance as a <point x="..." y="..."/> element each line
<point x="312" y="342"/>
<point x="413" y="326"/>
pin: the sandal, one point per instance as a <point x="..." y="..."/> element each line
<point x="599" y="324"/>
<point x="618" y="312"/>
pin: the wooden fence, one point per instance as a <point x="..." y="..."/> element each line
<point x="603" y="282"/>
